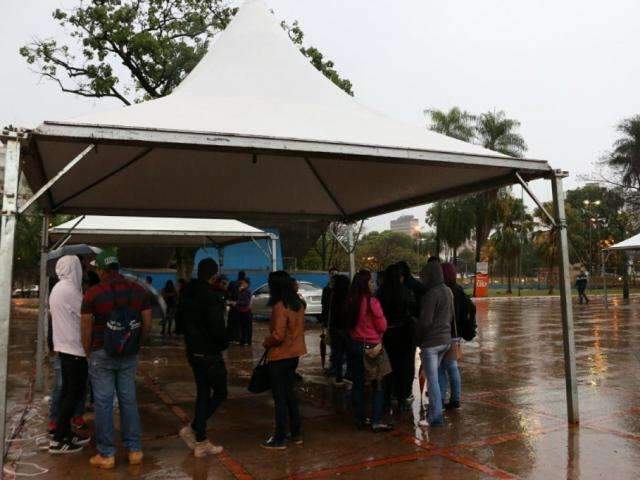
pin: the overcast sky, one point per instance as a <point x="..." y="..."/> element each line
<point x="568" y="70"/>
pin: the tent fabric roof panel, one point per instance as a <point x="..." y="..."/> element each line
<point x="144" y="231"/>
<point x="256" y="131"/>
<point x="632" y="243"/>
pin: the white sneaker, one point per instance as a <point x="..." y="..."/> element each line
<point x="189" y="436"/>
<point x="202" y="449"/>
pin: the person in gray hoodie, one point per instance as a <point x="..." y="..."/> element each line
<point x="433" y="334"/>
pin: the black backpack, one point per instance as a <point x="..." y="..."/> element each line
<point x="469" y="326"/>
<point x="122" y="331"/>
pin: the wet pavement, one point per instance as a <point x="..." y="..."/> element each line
<point x="512" y="423"/>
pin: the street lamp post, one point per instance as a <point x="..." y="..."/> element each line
<point x="588" y="204"/>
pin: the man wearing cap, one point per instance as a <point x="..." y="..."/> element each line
<point x="113" y="374"/>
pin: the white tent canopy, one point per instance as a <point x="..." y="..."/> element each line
<point x="632" y="243"/>
<point x="256" y="112"/>
<point x="153" y="231"/>
<point x="254" y="132"/>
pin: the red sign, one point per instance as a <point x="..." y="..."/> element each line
<point x="481" y="288"/>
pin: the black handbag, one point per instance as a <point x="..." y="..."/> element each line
<point x="260" y="382"/>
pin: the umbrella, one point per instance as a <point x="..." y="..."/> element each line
<point x="80" y="249"/>
<point x="156" y="298"/>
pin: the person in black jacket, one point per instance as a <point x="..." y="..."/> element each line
<point x="464" y="327"/>
<point x="399" y="304"/>
<point x="202" y="310"/>
<point x="418" y="290"/>
<point x="339" y="326"/>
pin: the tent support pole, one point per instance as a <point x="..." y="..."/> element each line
<point x="352" y="251"/>
<point x="565" y="298"/>
<point x="45" y="188"/>
<point x="67" y="235"/>
<point x="7" y="244"/>
<point x="274" y="253"/>
<point x="42" y="306"/>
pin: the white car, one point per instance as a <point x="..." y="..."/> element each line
<point x="312" y="294"/>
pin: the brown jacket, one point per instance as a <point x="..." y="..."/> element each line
<point x="286" y="339"/>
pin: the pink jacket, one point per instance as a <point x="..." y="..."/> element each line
<point x="371" y="322"/>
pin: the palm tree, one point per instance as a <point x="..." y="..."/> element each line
<point x="513" y="227"/>
<point x="625" y="157"/>
<point x="495" y="132"/>
<point x="455" y="123"/>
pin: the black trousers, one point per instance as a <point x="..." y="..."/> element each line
<point x="582" y="296"/>
<point x="281" y="374"/>
<point x="398" y="342"/>
<point x="74" y="381"/>
<point x="340" y="343"/>
<point x="233" y="325"/>
<point x="210" y="374"/>
<point x="245" y="319"/>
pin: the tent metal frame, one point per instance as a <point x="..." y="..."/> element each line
<point x="521" y="170"/>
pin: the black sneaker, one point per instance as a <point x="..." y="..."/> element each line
<point x="60" y="448"/>
<point x="381" y="427"/>
<point x="77" y="439"/>
<point x="452" y="405"/>
<point x="295" y="439"/>
<point x="273" y="444"/>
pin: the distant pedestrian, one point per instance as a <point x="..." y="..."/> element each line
<point x="463" y="327"/>
<point x="148" y="280"/>
<point x="285" y="345"/>
<point x="243" y="307"/>
<point x="202" y="310"/>
<point x="170" y="296"/>
<point x="116" y="320"/>
<point x="581" y="284"/>
<point x="399" y="306"/>
<point x="367" y="325"/>
<point x="65" y="303"/>
<point x="433" y="334"/>
<point x="179" y="290"/>
<point x="339" y="327"/>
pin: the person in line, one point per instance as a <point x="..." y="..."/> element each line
<point x="202" y="310"/>
<point x="65" y="303"/>
<point x="464" y="316"/>
<point x="367" y="325"/>
<point x="170" y="296"/>
<point x="433" y="334"/>
<point x="418" y="290"/>
<point x="233" y="323"/>
<point x="114" y="299"/>
<point x="398" y="304"/>
<point x="339" y="326"/>
<point x="182" y="283"/>
<point x="285" y="345"/>
<point x="325" y="315"/>
<point x="243" y="307"/>
<point x="582" y="281"/>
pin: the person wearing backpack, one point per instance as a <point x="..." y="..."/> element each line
<point x="116" y="319"/>
<point x="464" y="327"/>
<point x="202" y="309"/>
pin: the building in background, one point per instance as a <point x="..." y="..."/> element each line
<point x="405" y="224"/>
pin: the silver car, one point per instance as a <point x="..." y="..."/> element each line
<point x="310" y="293"/>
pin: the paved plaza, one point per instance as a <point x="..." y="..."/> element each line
<point x="512" y="423"/>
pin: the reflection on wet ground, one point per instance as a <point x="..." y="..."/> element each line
<point x="512" y="423"/>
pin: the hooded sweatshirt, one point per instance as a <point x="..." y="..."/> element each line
<point x="65" y="302"/>
<point x="437" y="310"/>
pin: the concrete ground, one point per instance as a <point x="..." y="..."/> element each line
<point x="512" y="423"/>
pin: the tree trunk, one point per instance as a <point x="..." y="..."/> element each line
<point x="509" y="279"/>
<point x="625" y="276"/>
<point x="455" y="256"/>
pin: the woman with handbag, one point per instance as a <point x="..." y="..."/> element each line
<point x="433" y="334"/>
<point x="285" y="345"/>
<point x="367" y="356"/>
<point x="449" y="374"/>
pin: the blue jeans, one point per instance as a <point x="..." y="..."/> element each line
<point x="111" y="375"/>
<point x="449" y="368"/>
<point x="431" y="358"/>
<point x="356" y="355"/>
<point x="56" y="389"/>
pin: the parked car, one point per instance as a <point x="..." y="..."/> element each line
<point x="312" y="294"/>
<point x="30" y="292"/>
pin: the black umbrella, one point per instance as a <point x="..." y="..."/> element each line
<point x="80" y="249"/>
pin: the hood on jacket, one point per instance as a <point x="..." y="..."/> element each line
<point x="431" y="275"/>
<point x="68" y="268"/>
